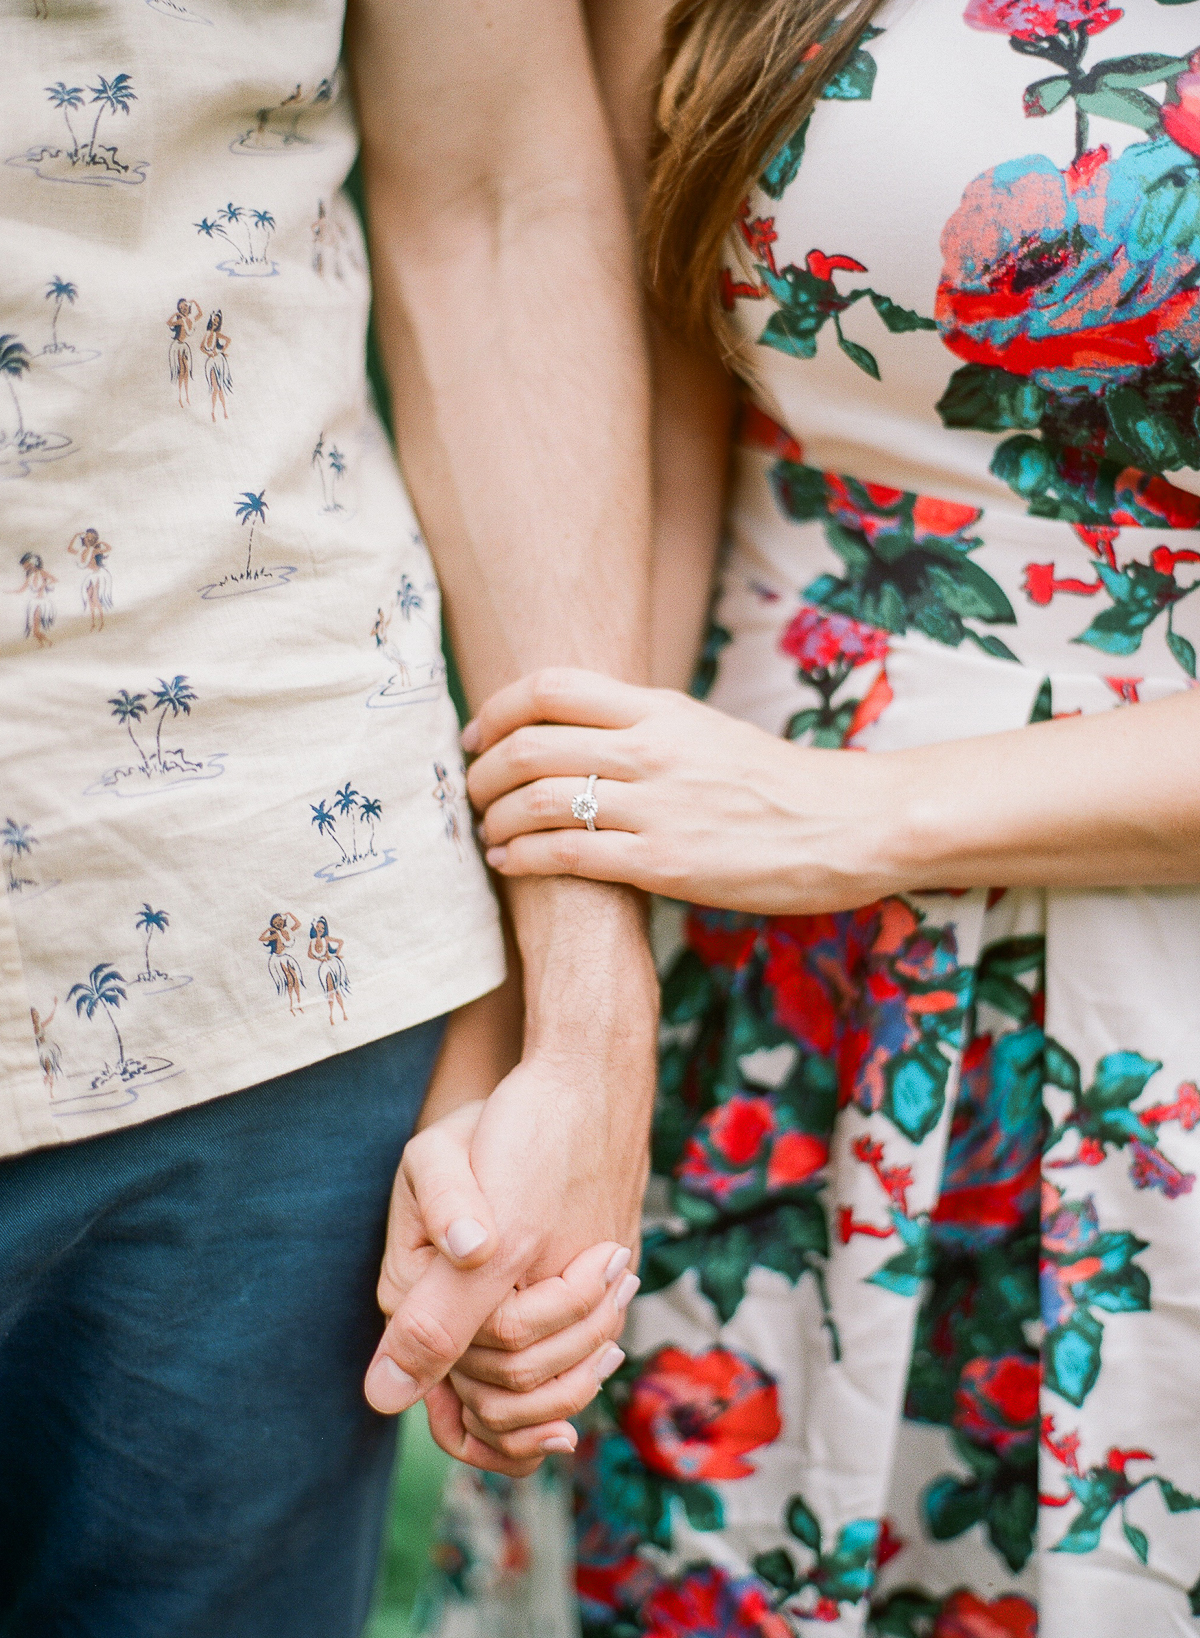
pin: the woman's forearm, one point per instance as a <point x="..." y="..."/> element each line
<point x="697" y="805"/>
<point x="1097" y="801"/>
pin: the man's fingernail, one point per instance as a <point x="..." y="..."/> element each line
<point x="610" y="1360"/>
<point x="470" y="735"/>
<point x="496" y="857"/>
<point x="559" y="1445"/>
<point x="627" y="1290"/>
<point x="389" y="1389"/>
<point x="464" y="1236"/>
<point x="617" y="1263"/>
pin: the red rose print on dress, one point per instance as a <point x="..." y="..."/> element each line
<point x="965" y="1615"/>
<point x="695" y="1416"/>
<point x="996" y="1403"/>
<point x="709" y="1604"/>
<point x="747" y="1148"/>
<point x="1181" y="120"/>
<point x="1039" y="19"/>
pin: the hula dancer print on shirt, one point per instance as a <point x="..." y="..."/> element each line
<point x="23" y="447"/>
<point x="38" y="592"/>
<point x="248" y="233"/>
<point x="250" y="510"/>
<point x="330" y="245"/>
<point x="283" y="129"/>
<point x="448" y="797"/>
<point x="332" y="977"/>
<point x="163" y="767"/>
<point x="82" y="157"/>
<point x="96" y="586"/>
<point x="49" y="1056"/>
<point x="214" y="348"/>
<point x="281" y="963"/>
<point x="180" y="357"/>
<point x="408" y="635"/>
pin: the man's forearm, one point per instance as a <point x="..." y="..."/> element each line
<point x="509" y="324"/>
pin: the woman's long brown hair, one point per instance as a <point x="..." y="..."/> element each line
<point x="739" y="77"/>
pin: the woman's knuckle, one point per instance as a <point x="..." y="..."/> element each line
<point x="565" y="852"/>
<point x="511" y="1331"/>
<point x="550" y="684"/>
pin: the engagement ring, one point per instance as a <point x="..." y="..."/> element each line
<point x="585" y="806"/>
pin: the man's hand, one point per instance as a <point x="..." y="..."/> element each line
<point x="540" y="1356"/>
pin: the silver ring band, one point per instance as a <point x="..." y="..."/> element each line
<point x="585" y="806"/>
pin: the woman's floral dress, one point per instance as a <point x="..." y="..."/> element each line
<point x="918" y="1346"/>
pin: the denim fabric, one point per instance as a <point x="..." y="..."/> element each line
<point x="187" y="1308"/>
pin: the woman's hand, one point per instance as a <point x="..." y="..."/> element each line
<point x="543" y="1353"/>
<point x="692" y="803"/>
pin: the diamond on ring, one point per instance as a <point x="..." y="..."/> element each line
<point x="585" y="806"/>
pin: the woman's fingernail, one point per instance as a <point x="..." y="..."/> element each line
<point x="496" y="857"/>
<point x="617" y="1263"/>
<point x="470" y="735"/>
<point x="464" y="1236"/>
<point x="610" y="1360"/>
<point x="388" y="1388"/>
<point x="559" y="1446"/>
<point x="627" y="1290"/>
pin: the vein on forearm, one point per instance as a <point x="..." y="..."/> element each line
<point x="520" y="400"/>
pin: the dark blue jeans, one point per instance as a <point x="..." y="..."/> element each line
<point x="187" y="1308"/>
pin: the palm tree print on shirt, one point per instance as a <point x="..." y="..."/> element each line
<point x="20" y="445"/>
<point x="147" y="922"/>
<point x="251" y="510"/>
<point x="16" y="844"/>
<point x="89" y="161"/>
<point x="58" y="354"/>
<point x="348" y="819"/>
<point x="330" y="465"/>
<point x="409" y="634"/>
<point x="178" y="13"/>
<point x="277" y="130"/>
<point x="164" y="767"/>
<point x="102" y="995"/>
<point x="249" y="234"/>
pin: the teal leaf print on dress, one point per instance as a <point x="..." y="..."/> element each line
<point x="906" y="558"/>
<point x="1083" y="1267"/>
<point x="843" y="1574"/>
<point x="1103" y="1117"/>
<point x="1104" y="1489"/>
<point x="1140" y="592"/>
<point x="808" y="300"/>
<point x="852" y="81"/>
